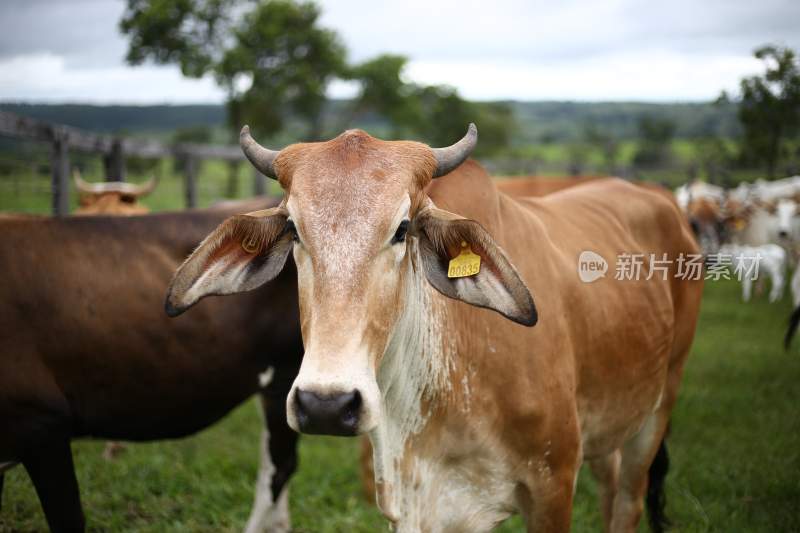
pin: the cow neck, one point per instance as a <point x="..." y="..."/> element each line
<point x="414" y="378"/>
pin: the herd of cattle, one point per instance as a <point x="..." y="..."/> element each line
<point x="481" y="390"/>
<point x="756" y="220"/>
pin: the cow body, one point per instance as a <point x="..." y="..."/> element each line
<point x="538" y="185"/>
<point x="508" y="413"/>
<point x="86" y="350"/>
<point x="471" y="416"/>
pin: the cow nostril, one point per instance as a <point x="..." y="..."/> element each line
<point x="783" y="234"/>
<point x="351" y="408"/>
<point x="302" y="399"/>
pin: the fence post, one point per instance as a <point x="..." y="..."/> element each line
<point x="59" y="166"/>
<point x="115" y="162"/>
<point x="259" y="183"/>
<point x="232" y="187"/>
<point x="190" y="181"/>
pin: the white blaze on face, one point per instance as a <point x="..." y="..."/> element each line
<point x="348" y="274"/>
<point x="786" y="212"/>
<point x="682" y="196"/>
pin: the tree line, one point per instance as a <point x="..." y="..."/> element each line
<point x="275" y="62"/>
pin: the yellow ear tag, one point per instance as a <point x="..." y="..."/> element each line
<point x="739" y="224"/>
<point x="465" y="264"/>
<point x="250" y="245"/>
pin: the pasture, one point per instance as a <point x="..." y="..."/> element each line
<point x="734" y="444"/>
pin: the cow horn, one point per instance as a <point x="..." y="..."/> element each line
<point x="82" y="185"/>
<point x="447" y="159"/>
<point x="261" y="158"/>
<point x="144" y="188"/>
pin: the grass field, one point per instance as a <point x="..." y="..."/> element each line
<point x="735" y="449"/>
<point x="29" y="192"/>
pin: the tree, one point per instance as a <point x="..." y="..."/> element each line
<point x="769" y="107"/>
<point x="497" y="126"/>
<point x="605" y="143"/>
<point x="435" y="113"/>
<point x="186" y="32"/>
<point x="275" y="64"/>
<point x="715" y="158"/>
<point x="383" y="91"/>
<point x="270" y="56"/>
<point x="655" y="135"/>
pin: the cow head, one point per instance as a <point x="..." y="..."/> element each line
<point x="111" y="198"/>
<point x="363" y="233"/>
<point x="706" y="220"/>
<point x="785" y="211"/>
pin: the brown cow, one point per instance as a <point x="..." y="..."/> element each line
<point x="111" y="198"/>
<point x="86" y="351"/>
<point x="513" y="186"/>
<point x="471" y="416"/>
<point x="538" y="185"/>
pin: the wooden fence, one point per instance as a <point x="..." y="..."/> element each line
<point x="114" y="149"/>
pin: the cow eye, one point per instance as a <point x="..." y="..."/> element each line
<point x="291" y="229"/>
<point x="400" y="234"/>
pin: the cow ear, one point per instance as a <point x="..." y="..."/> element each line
<point x="497" y="285"/>
<point x="242" y="254"/>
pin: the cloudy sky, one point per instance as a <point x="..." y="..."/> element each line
<point x="71" y="50"/>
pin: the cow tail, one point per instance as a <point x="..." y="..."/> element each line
<point x="794" y="320"/>
<point x="656" y="499"/>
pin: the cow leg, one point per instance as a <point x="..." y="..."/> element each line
<point x="747" y="287"/>
<point x="278" y="462"/>
<point x="795" y="285"/>
<point x="52" y="472"/>
<point x="637" y="457"/>
<point x="760" y="284"/>
<point x="546" y="503"/>
<point x="778" y="282"/>
<point x="605" y="471"/>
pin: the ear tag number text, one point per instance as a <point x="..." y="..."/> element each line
<point x="465" y="264"/>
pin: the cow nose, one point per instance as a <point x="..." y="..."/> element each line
<point x="329" y="414"/>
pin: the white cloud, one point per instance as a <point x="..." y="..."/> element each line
<point x="44" y="77"/>
<point x="626" y="76"/>
<point x="71" y="50"/>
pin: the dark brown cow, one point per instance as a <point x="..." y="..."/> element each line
<point x="86" y="350"/>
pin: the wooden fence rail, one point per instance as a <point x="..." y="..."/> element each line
<point x="114" y="149"/>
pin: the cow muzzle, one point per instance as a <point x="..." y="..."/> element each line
<point x="334" y="399"/>
<point x="328" y="414"/>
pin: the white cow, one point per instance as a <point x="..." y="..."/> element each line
<point x="771" y="191"/>
<point x="770" y="258"/>
<point x="788" y="223"/>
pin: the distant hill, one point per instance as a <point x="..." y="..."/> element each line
<point x="537" y="122"/>
<point x="565" y="121"/>
<point x="123" y="118"/>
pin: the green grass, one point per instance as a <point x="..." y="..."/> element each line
<point x="27" y="191"/>
<point x="735" y="450"/>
